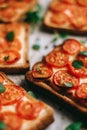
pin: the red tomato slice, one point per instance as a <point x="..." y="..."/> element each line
<point x="15" y="44"/>
<point x="8" y="12"/>
<point x="9" y="57"/>
<point x="83" y="59"/>
<point x="62" y="76"/>
<point x="81" y="91"/>
<point x="69" y="1"/>
<point x="60" y="19"/>
<point x="12" y="121"/>
<point x="41" y="70"/>
<point x="12" y="94"/>
<point x="3" y="46"/>
<point x="71" y="46"/>
<point x="57" y="59"/>
<point x="82" y="2"/>
<point x="27" y="110"/>
<point x="77" y="17"/>
<point x="78" y="72"/>
<point x="58" y="7"/>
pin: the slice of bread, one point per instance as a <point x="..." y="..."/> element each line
<point x="44" y="113"/>
<point x="14" y="54"/>
<point x="65" y="18"/>
<point x="12" y="11"/>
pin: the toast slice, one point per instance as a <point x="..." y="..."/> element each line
<point x="13" y="11"/>
<point x="14" y="48"/>
<point x="33" y="115"/>
<point x="58" y="73"/>
<point x="62" y="16"/>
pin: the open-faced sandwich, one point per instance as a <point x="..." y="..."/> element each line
<point x="14" y="48"/>
<point x="63" y="72"/>
<point x="14" y="10"/>
<point x="19" y="110"/>
<point x="68" y="15"/>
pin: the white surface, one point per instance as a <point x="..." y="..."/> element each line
<point x="62" y="117"/>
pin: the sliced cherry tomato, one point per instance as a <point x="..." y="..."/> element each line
<point x="71" y="46"/>
<point x="8" y="12"/>
<point x="27" y="110"/>
<point x="62" y="77"/>
<point x="69" y="1"/>
<point x="77" y="17"/>
<point x="12" y="94"/>
<point x="3" y="46"/>
<point x="9" y="57"/>
<point x="81" y="91"/>
<point x="41" y="70"/>
<point x="17" y="4"/>
<point x="58" y="7"/>
<point x="83" y="59"/>
<point x="12" y="121"/>
<point x="82" y="2"/>
<point x="15" y="44"/>
<point x="57" y="59"/>
<point x="60" y="19"/>
<point x="78" y="72"/>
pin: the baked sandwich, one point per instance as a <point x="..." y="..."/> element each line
<point x="14" y="48"/>
<point x="66" y="15"/>
<point x="63" y="72"/>
<point x="19" y="110"/>
<point x="14" y="10"/>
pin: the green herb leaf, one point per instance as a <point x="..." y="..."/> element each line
<point x="10" y="36"/>
<point x="2" y="125"/>
<point x="6" y="58"/>
<point x="68" y="84"/>
<point x="36" y="47"/>
<point x="84" y="53"/>
<point x="2" y="88"/>
<point x="34" y="16"/>
<point x="77" y="64"/>
<point x="83" y="42"/>
<point x="74" y="126"/>
<point x="32" y="94"/>
<point x="63" y="35"/>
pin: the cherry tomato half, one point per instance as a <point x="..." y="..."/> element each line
<point x="12" y="121"/>
<point x="71" y="46"/>
<point x="78" y="72"/>
<point x="27" y="110"/>
<point x="81" y="91"/>
<point x="57" y="59"/>
<point x="62" y="76"/>
<point x="82" y="2"/>
<point x="41" y="70"/>
<point x="12" y="94"/>
<point x="9" y="57"/>
<point x="71" y="2"/>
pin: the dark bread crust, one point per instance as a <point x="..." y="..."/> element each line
<point x="50" y="26"/>
<point x="21" y="68"/>
<point x="42" y="121"/>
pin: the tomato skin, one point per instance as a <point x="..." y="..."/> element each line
<point x="83" y="59"/>
<point x="78" y="72"/>
<point x="81" y="91"/>
<point x="62" y="76"/>
<point x="41" y="71"/>
<point x="12" y="94"/>
<point x="71" y="46"/>
<point x="27" y="110"/>
<point x="58" y="7"/>
<point x="57" y="59"/>
<point x="12" y="121"/>
<point x="59" y="19"/>
<point x="71" y="2"/>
